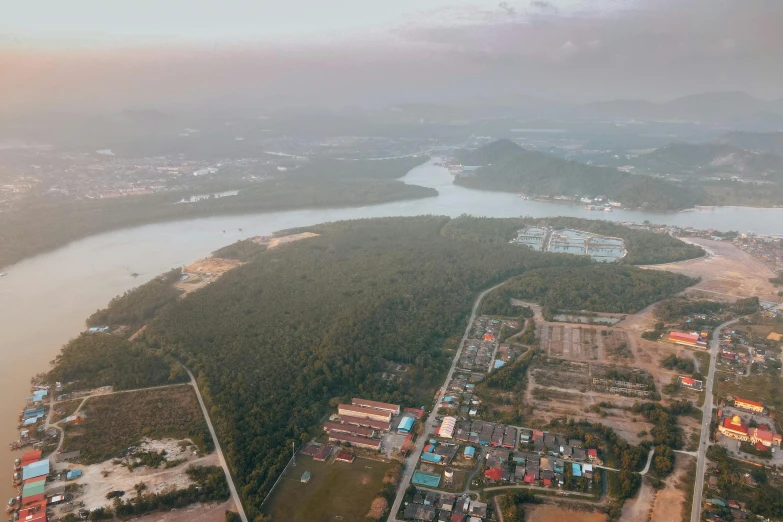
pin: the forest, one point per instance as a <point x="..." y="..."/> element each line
<point x="595" y="287"/>
<point x="508" y="167"/>
<point x="42" y="224"/>
<point x="138" y="305"/>
<point x="644" y="247"/>
<point x="94" y="360"/>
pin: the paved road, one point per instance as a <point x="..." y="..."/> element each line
<point x="704" y="442"/>
<point x="223" y="463"/>
<point x="410" y="462"/>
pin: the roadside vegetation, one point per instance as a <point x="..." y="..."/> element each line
<point x="116" y="422"/>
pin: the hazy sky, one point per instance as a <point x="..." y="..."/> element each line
<point x="157" y="53"/>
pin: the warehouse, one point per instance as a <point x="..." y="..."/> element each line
<point x="363" y="413"/>
<point x="359" y="442"/>
<point x="394" y="409"/>
<point x="347" y="428"/>
<point x="406" y="425"/>
<point x="446" y="429"/>
<point x="368" y="423"/>
<point x="36" y="469"/>
<point x="749" y="405"/>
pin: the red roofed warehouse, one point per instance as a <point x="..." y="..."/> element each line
<point x="749" y="405"/>
<point x="364" y="413"/>
<point x="347" y="428"/>
<point x="359" y="442"/>
<point x="687" y="339"/>
<point x="368" y="423"/>
<point x="391" y="408"/>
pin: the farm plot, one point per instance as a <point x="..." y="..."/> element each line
<point x="570" y="342"/>
<point x="617" y="345"/>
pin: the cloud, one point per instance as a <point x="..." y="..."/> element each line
<point x="543" y="6"/>
<point x="509" y="9"/>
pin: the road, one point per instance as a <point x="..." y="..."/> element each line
<point x="221" y="457"/>
<point x="410" y="462"/>
<point x="705" y="427"/>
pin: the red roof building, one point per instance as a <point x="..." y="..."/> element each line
<point x="344" y="456"/>
<point x="361" y="412"/>
<point x="547" y="482"/>
<point x="418" y="412"/>
<point x="734" y="427"/>
<point x="530" y="478"/>
<point x="349" y="428"/>
<point x="370" y="423"/>
<point x="495" y="474"/>
<point x="359" y="442"/>
<point x="748" y="405"/>
<point x="687" y="339"/>
<point x="383" y="406"/>
<point x="30" y="457"/>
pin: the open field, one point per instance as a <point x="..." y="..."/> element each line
<point x="336" y="489"/>
<point x="550" y="513"/>
<point x="115" y="422"/>
<point x="727" y="273"/>
<point x="570" y="342"/>
<point x="99" y="479"/>
<point x="276" y="241"/>
<point x="670" y="501"/>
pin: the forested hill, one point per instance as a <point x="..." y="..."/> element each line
<point x="508" y="167"/>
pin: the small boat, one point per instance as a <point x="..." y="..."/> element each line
<point x="608" y="209"/>
<point x="3" y="274"/>
<point x="11" y="505"/>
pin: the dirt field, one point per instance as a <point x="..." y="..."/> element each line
<point x="550" y="513"/>
<point x="570" y="342"/>
<point x="727" y="273"/>
<point x="214" y="266"/>
<point x="274" y="242"/>
<point x="669" y="501"/>
<point x="637" y="509"/>
<point x="99" y="479"/>
<point x="194" y="513"/>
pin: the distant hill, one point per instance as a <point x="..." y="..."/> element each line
<point x="708" y="159"/>
<point x="771" y="142"/>
<point x="506" y="166"/>
<point x="712" y="106"/>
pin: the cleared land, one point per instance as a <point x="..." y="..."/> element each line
<point x="194" y="513"/>
<point x="550" y="513"/>
<point x="118" y="421"/>
<point x="670" y="500"/>
<point x="727" y="273"/>
<point x="276" y="241"/>
<point x="336" y="489"/>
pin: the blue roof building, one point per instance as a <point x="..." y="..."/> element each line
<point x="576" y="469"/>
<point x="36" y="469"/>
<point x="470" y="452"/>
<point x="73" y="474"/>
<point x="431" y="457"/>
<point x="405" y="426"/>
<point x="423" y="478"/>
<point x="499" y="364"/>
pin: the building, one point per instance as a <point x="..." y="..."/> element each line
<point x="734" y="427"/>
<point x="693" y="384"/>
<point x="353" y="440"/>
<point x="67" y="456"/>
<point x="306" y="476"/>
<point x="688" y="339"/>
<point x="446" y="429"/>
<point x="369" y="423"/>
<point x="775" y="337"/>
<point x="394" y="409"/>
<point x="753" y="406"/>
<point x="764" y="437"/>
<point x="424" y="478"/>
<point x="348" y="428"/>
<point x="470" y="452"/>
<point x="35" y="470"/>
<point x="344" y="456"/>
<point x="317" y="451"/>
<point x="406" y="425"/>
<point x="364" y="413"/>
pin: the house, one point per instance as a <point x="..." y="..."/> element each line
<point x="494" y="474"/>
<point x="344" y="456"/>
<point x="693" y="384"/>
<point x="477" y="509"/>
<point x="579" y="454"/>
<point x="319" y="452"/>
<point x="419" y="512"/>
<point x="446" y="429"/>
<point x="587" y="470"/>
<point x="470" y="452"/>
<point x="576" y="469"/>
<point x="592" y="455"/>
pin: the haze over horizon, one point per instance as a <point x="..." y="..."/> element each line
<point x="89" y="55"/>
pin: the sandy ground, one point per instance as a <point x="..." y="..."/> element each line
<point x="669" y="501"/>
<point x="274" y="242"/>
<point x="214" y="266"/>
<point x="638" y="508"/>
<point x="99" y="479"/>
<point x="550" y="513"/>
<point x="727" y="273"/>
<point x="194" y="513"/>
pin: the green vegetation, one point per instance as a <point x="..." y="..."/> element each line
<point x="42" y="224"/>
<point x="682" y="364"/>
<point x="513" y="505"/>
<point x="94" y="360"/>
<point x="116" y="422"/>
<point x="243" y="250"/>
<point x="595" y="287"/>
<point x="765" y="499"/>
<point x="140" y="304"/>
<point x="747" y="447"/>
<point x="644" y="247"/>
<point x="510" y="377"/>
<point x="508" y="167"/>
<point x="655" y="333"/>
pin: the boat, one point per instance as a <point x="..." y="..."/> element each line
<point x="608" y="209"/>
<point x="11" y="505"/>
<point x="3" y="274"/>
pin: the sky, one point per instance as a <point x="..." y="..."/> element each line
<point x="94" y="54"/>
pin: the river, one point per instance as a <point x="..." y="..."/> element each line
<point x="44" y="300"/>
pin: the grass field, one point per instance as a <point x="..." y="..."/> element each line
<point x="336" y="489"/>
<point x="117" y="421"/>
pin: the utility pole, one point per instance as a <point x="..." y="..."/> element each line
<point x="293" y="453"/>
